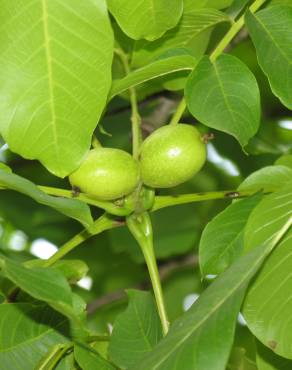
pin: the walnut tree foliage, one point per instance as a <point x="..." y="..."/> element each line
<point x="187" y="262"/>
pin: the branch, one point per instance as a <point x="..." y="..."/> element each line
<point x="173" y="200"/>
<point x="135" y="117"/>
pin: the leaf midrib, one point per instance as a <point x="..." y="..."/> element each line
<point x="140" y="324"/>
<point x="49" y="61"/>
<point x="230" y="110"/>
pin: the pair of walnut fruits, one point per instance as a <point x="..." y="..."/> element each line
<point x="170" y="156"/>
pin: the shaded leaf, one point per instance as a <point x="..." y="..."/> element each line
<point x="239" y="361"/>
<point x="70" y="207"/>
<point x="44" y="284"/>
<point x="236" y="7"/>
<point x="66" y="363"/>
<point x="136" y="331"/>
<point x="148" y="19"/>
<point x="228" y="86"/>
<point x="267" y="360"/>
<point x="222" y="239"/>
<point x="270" y="30"/>
<point x="27" y="333"/>
<point x="55" y="61"/>
<point x="4" y="167"/>
<point x="73" y="270"/>
<point x="49" y="360"/>
<point x="89" y="359"/>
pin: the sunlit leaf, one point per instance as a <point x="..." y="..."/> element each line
<point x="147" y="19"/>
<point x="267" y="178"/>
<point x="55" y="62"/>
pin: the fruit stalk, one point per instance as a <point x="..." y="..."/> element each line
<point x="141" y="228"/>
<point x="178" y="113"/>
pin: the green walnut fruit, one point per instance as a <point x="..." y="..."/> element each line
<point x="171" y="156"/>
<point x="106" y="174"/>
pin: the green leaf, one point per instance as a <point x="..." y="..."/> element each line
<point x="228" y="86"/>
<point x="27" y="333"/>
<point x="268" y="360"/>
<point x="177" y="60"/>
<point x="267" y="306"/>
<point x="89" y="359"/>
<point x="72" y="270"/>
<point x="222" y="240"/>
<point x="192" y="33"/>
<point x="67" y="363"/>
<point x="202" y="338"/>
<point x="216" y="4"/>
<point x="70" y="207"/>
<point x="4" y="167"/>
<point x="237" y="7"/>
<point x="280" y="2"/>
<point x="136" y="331"/>
<point x="148" y="19"/>
<point x="44" y="284"/>
<point x="267" y="178"/>
<point x="53" y="356"/>
<point x="268" y="217"/>
<point x="270" y="30"/>
<point x="285" y="160"/>
<point x="239" y="361"/>
<point x="55" y="76"/>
